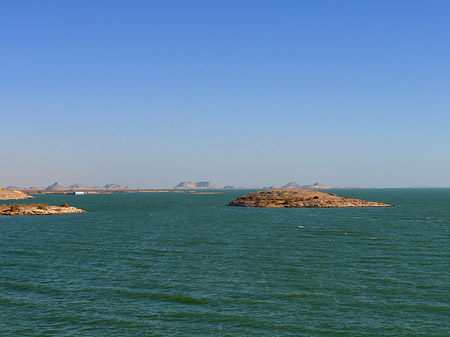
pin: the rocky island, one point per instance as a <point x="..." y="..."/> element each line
<point x="13" y="195"/>
<point x="300" y="198"/>
<point x="38" y="209"/>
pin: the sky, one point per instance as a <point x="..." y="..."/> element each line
<point x="247" y="93"/>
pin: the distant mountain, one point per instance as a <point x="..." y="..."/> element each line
<point x="79" y="186"/>
<point x="17" y="188"/>
<point x="292" y="184"/>
<point x="232" y="187"/>
<point x="204" y="184"/>
<point x="191" y="185"/>
<point x="56" y="187"/>
<point x="185" y="184"/>
<point x="2" y="188"/>
<point x="113" y="187"/>
<point x="13" y="188"/>
<point x="315" y="186"/>
<point x="76" y="187"/>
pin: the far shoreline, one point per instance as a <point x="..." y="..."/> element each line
<point x="72" y="192"/>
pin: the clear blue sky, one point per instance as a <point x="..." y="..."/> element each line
<point x="151" y="93"/>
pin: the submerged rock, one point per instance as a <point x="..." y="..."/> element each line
<point x="299" y="198"/>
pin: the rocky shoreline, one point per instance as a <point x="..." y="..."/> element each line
<point x="300" y="198"/>
<point x="37" y="209"/>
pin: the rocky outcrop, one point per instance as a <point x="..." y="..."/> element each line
<point x="300" y="198"/>
<point x="13" y="195"/>
<point x="37" y="209"/>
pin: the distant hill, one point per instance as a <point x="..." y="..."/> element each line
<point x="191" y="185"/>
<point x="204" y="184"/>
<point x="113" y="187"/>
<point x="76" y="187"/>
<point x="56" y="187"/>
<point x="292" y="184"/>
<point x="232" y="187"/>
<point x="316" y="186"/>
<point x="17" y="188"/>
<point x="185" y="184"/>
<point x="79" y="186"/>
<point x="13" y="188"/>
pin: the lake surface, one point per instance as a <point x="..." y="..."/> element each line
<point x="172" y="264"/>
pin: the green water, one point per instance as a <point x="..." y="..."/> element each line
<point x="169" y="264"/>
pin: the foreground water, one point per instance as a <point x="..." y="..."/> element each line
<point x="169" y="264"/>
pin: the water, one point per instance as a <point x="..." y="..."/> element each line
<point x="170" y="264"/>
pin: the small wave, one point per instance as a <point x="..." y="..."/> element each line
<point x="180" y="298"/>
<point x="21" y="252"/>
